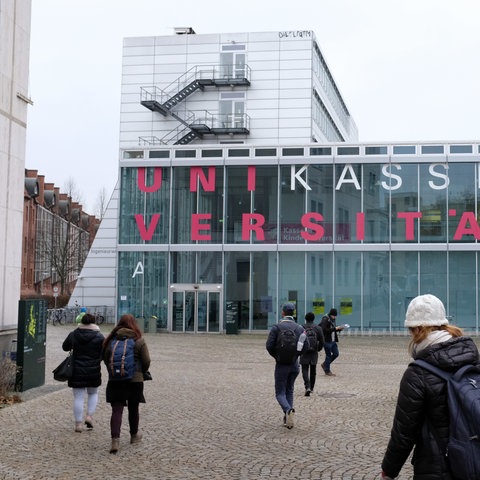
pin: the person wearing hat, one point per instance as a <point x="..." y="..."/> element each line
<point x="83" y="311"/>
<point x="286" y="365"/>
<point x="330" y="332"/>
<point x="421" y="420"/>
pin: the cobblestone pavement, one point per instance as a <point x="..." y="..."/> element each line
<point x="211" y="414"/>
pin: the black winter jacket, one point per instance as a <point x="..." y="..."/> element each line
<point x="421" y="408"/>
<point x="87" y="343"/>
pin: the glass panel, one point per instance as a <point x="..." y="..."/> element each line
<point x="348" y="294"/>
<point x="462" y="282"/>
<point x="402" y="181"/>
<point x="237" y="287"/>
<point x="264" y="280"/>
<point x="159" y="154"/>
<point x="212" y="153"/>
<point x="265" y="152"/>
<point x="404" y="279"/>
<point x="238" y="203"/>
<point x="404" y="150"/>
<point x="433" y="274"/>
<point x="348" y="198"/>
<point x="376" y="206"/>
<point x="184" y="205"/>
<point x="143" y="295"/>
<point x="209" y="267"/>
<point x="461" y="202"/>
<point x="264" y="201"/>
<point x="291" y="282"/>
<point x="238" y="152"/>
<point x="348" y="151"/>
<point x="201" y="311"/>
<point x="320" y="200"/>
<point x="190" y="308"/>
<point x="376" y="150"/>
<point x="177" y="312"/>
<point x="320" y="151"/>
<point x="134" y="201"/>
<point x="376" y="290"/>
<point x="239" y="65"/>
<point x="461" y="148"/>
<point x="183" y="267"/>
<point x="286" y="152"/>
<point x="213" y="311"/>
<point x="185" y="153"/>
<point x="211" y="204"/>
<point x="433" y="202"/>
<point x="429" y="149"/>
<point x="292" y="206"/>
<point x="319" y="283"/>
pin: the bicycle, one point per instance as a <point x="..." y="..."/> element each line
<point x="55" y="315"/>
<point x="99" y="319"/>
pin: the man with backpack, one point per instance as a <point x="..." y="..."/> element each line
<point x="427" y="418"/>
<point x="285" y="343"/>
<point x="309" y="358"/>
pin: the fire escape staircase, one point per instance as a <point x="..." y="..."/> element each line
<point x="196" y="125"/>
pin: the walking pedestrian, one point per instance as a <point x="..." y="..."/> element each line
<point x="86" y="343"/>
<point x="285" y="344"/>
<point x="330" y="332"/>
<point x="421" y="420"/>
<point x="309" y="358"/>
<point x="128" y="392"/>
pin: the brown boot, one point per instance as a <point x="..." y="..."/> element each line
<point x="136" y="437"/>
<point x="115" y="445"/>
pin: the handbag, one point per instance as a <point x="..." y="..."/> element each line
<point x="64" y="371"/>
<point x="147" y="376"/>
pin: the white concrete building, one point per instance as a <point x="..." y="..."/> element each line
<point x="232" y="89"/>
<point x="14" y="99"/>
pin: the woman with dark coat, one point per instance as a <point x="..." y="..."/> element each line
<point x="421" y="417"/>
<point x="126" y="393"/>
<point x="86" y="342"/>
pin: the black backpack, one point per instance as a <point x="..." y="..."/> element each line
<point x="286" y="348"/>
<point x="312" y="340"/>
<point x="463" y="448"/>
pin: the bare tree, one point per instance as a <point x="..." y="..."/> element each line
<point x="71" y="188"/>
<point x="61" y="247"/>
<point x="101" y="203"/>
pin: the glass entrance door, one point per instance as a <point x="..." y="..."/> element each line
<point x="195" y="308"/>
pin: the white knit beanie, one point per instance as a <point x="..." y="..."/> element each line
<point x="425" y="310"/>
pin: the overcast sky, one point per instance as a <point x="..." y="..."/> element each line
<point x="408" y="70"/>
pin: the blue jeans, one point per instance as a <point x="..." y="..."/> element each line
<point x="331" y="353"/>
<point x="285" y="376"/>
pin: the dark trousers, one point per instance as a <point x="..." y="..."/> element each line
<point x="331" y="353"/>
<point x="309" y="374"/>
<point x="117" y="414"/>
<point x="285" y="376"/>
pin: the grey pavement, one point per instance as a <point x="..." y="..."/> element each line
<point x="211" y="413"/>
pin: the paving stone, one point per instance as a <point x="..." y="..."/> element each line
<point x="211" y="414"/>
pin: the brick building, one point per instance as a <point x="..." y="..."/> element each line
<point x="57" y="235"/>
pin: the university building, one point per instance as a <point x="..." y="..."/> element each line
<point x="242" y="185"/>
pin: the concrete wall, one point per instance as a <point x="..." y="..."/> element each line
<point x="14" y="63"/>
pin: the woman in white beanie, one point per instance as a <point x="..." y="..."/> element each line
<point x="421" y="416"/>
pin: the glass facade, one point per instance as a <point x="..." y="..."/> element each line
<point x="204" y="240"/>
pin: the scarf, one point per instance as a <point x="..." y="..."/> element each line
<point x="437" y="336"/>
